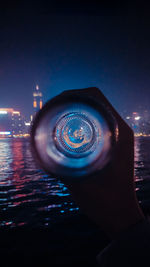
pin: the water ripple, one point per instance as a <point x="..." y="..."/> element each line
<point x="28" y="196"/>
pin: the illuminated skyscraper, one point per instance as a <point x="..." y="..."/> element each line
<point x="37" y="99"/>
<point x="11" y="122"/>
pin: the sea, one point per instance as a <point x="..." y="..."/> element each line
<point x="29" y="196"/>
<point x="31" y="199"/>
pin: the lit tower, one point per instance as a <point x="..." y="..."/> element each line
<point x="37" y="99"/>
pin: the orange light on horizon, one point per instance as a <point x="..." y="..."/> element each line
<point x="16" y="112"/>
<point x="8" y="110"/>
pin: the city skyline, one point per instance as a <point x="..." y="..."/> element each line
<point x="64" y="47"/>
<point x="138" y="119"/>
<point x="38" y="93"/>
<point x="36" y="101"/>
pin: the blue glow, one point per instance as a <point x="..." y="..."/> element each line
<point x="75" y="132"/>
<point x="75" y="135"/>
<point x="62" y="194"/>
<point x="2" y="112"/>
<point x="5" y="133"/>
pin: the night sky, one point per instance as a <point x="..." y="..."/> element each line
<point x="61" y="46"/>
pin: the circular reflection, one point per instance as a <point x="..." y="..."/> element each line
<point x="74" y="134"/>
<point x="73" y="139"/>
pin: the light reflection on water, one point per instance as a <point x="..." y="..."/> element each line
<point x="142" y="172"/>
<point x="30" y="197"/>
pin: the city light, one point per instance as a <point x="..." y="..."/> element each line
<point x="8" y="110"/>
<point x="16" y="112"/>
<point x="137" y="118"/>
<point x="5" y="133"/>
<point x="21" y="135"/>
<point x="34" y="104"/>
<point x="3" y="112"/>
<point x="37" y="94"/>
<point x="13" y="124"/>
<point x="27" y="123"/>
<point x="41" y="104"/>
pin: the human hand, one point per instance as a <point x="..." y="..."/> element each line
<point x="109" y="197"/>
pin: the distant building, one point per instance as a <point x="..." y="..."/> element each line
<point x="135" y="122"/>
<point x="11" y="122"/>
<point x="139" y="122"/>
<point x="27" y="127"/>
<point x="37" y="99"/>
<point x="18" y="125"/>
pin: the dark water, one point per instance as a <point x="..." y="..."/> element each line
<point x="142" y="172"/>
<point x="29" y="197"/>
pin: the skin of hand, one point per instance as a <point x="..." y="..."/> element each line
<point x="109" y="198"/>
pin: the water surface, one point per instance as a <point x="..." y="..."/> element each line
<point x="28" y="196"/>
